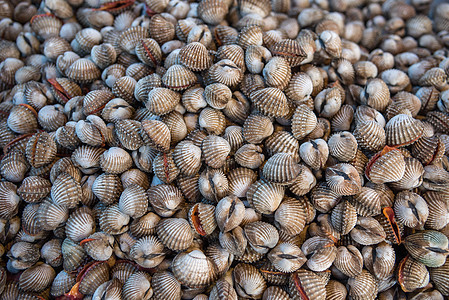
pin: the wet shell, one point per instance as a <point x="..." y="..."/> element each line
<point x="62" y="284"/>
<point x="73" y="255"/>
<point x="270" y="101"/>
<point x="439" y="278"/>
<point x="83" y="70"/>
<point x="195" y="56"/>
<point x="178" y="78"/>
<point x="162" y="101"/>
<point x="306" y="283"/>
<point x="95" y="101"/>
<point x="176" y="234"/>
<point x="428" y="150"/>
<point x="281" y="169"/>
<point x="367" y="202"/>
<point x="428" y="247"/>
<point x="194" y="269"/>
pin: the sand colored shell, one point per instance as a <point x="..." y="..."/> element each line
<point x="229" y="213"/>
<point x="249" y="156"/>
<point x="379" y="259"/>
<point x="343" y="179"/>
<point x="217" y="95"/>
<point x="156" y="134"/>
<point x="127" y="132"/>
<point x="367" y="202"/>
<point x="343" y="146"/>
<point x="282" y="141"/>
<point x="115" y="160"/>
<point x="368" y="231"/>
<point x="428" y="150"/>
<point x="226" y="72"/>
<point x="83" y="71"/>
<point x="239" y="180"/>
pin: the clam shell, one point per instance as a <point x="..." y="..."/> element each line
<point x="344" y="217"/>
<point x="37" y="278"/>
<point x="343" y="146"/>
<point x="147" y="252"/>
<point x="281" y="169"/>
<point x="270" y="101"/>
<point x="343" y="179"/>
<point x="248" y="280"/>
<point x="287" y="257"/>
<point x="349" y="261"/>
<point x="80" y="224"/>
<point x="212" y="120"/>
<point x="176" y="234"/>
<point x="165" y="286"/>
<point x="195" y="56"/>
<point x="387" y="166"/>
<point x="65" y="191"/>
<point x="412" y="274"/>
<point x="22" y="119"/>
<point x="403" y="130"/>
<point x="256" y="128"/>
<point x="367" y="202"/>
<point x="239" y="181"/>
<point x="428" y="247"/>
<point x="265" y="197"/>
<point x="282" y="141"/>
<point x="62" y="284"/>
<point x="14" y="166"/>
<point x="215" y="150"/>
<point x="99" y="246"/>
<point x="202" y="218"/>
<point x="223" y="290"/>
<point x="161" y="29"/>
<point x="368" y="231"/>
<point x="303" y="121"/>
<point x="165" y="199"/>
<point x="187" y="157"/>
<point x="133" y="201"/>
<point x="321" y="252"/>
<point x="165" y="168"/>
<point x="217" y="95"/>
<point x="290" y="50"/>
<point x="411" y="209"/>
<point x="34" y="188"/>
<point x="363" y="286"/>
<point x="51" y="215"/>
<point x="413" y="175"/>
<point x="162" y="101"/>
<point x="73" y="255"/>
<point x="113" y="221"/>
<point x="83" y="71"/>
<point x="379" y="259"/>
<point x="137" y="286"/>
<point x="178" y="78"/>
<point x="304" y="282"/>
<point x="439" y="278"/>
<point x="41" y="149"/>
<point x="107" y="188"/>
<point x="115" y="160"/>
<point x="229" y="213"/>
<point x="261" y="236"/>
<point x="193" y="269"/>
<point x="370" y="136"/>
<point x="226" y="72"/>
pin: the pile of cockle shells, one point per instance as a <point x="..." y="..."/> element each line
<point x="225" y="149"/>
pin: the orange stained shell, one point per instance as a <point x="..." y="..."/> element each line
<point x="148" y="51"/>
<point x="63" y="94"/>
<point x="30" y="108"/>
<point x="388" y="212"/>
<point x="299" y="287"/>
<point x="384" y="151"/>
<point x="194" y="216"/>
<point x="401" y="273"/>
<point x="41" y="15"/>
<point x="73" y="294"/>
<point x="14" y="141"/>
<point x="116" y="6"/>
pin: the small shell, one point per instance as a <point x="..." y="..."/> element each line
<point x="370" y="136"/>
<point x="290" y="50"/>
<point x="249" y="156"/>
<point x="187" y="157"/>
<point x="162" y="101"/>
<point x="321" y="253"/>
<point x="343" y="146"/>
<point x="215" y="150"/>
<point x="344" y="217"/>
<point x="265" y="197"/>
<point x="217" y="95"/>
<point x="314" y="153"/>
<point x="80" y="224"/>
<point x="403" y="130"/>
<point x="202" y="218"/>
<point x="98" y="246"/>
<point x="412" y="274"/>
<point x="45" y="25"/>
<point x="349" y="261"/>
<point x="229" y="213"/>
<point x="165" y="168"/>
<point x="22" y="119"/>
<point x="368" y="231"/>
<point x="147" y="252"/>
<point x="41" y="149"/>
<point x="428" y="247"/>
<point x="379" y="259"/>
<point x="115" y="160"/>
<point x="193" y="268"/>
<point x="256" y="128"/>
<point x="287" y="257"/>
<point x="14" y="166"/>
<point x="113" y="221"/>
<point x="133" y="201"/>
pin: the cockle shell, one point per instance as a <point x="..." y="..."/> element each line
<point x="193" y="268"/>
<point x="378" y="171"/>
<point x="249" y="281"/>
<point x="281" y="169"/>
<point x="308" y="283"/>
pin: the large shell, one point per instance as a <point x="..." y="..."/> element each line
<point x="428" y="247"/>
<point x="387" y="166"/>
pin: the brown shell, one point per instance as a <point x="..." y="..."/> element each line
<point x="270" y="101"/>
<point x="291" y="50"/>
<point x="195" y="56"/>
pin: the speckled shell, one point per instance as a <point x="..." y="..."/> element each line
<point x="194" y="269"/>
